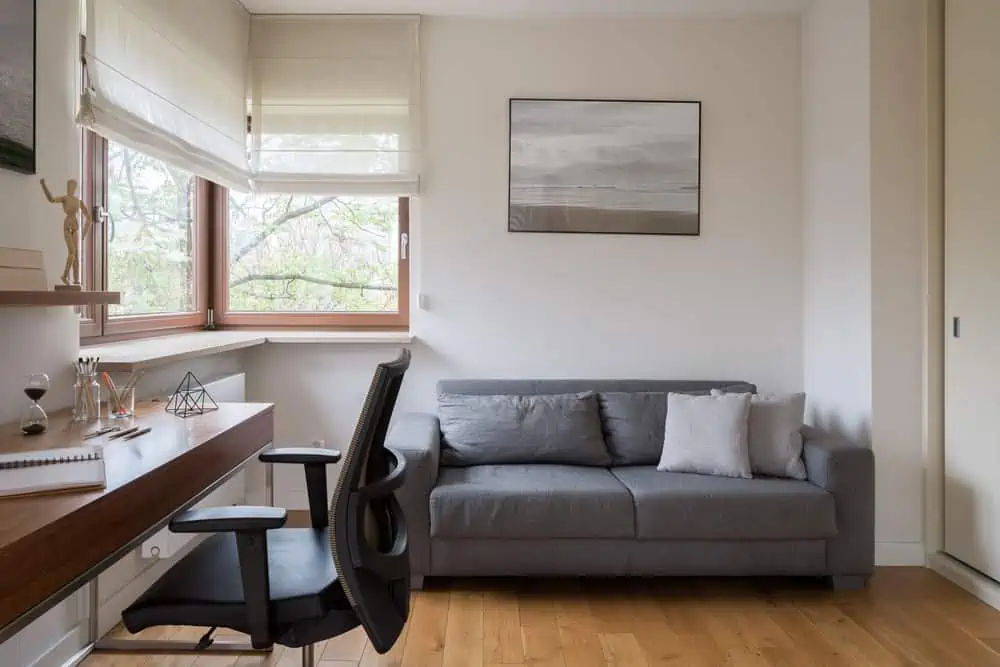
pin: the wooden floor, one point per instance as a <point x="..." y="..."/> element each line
<point x="907" y="616"/>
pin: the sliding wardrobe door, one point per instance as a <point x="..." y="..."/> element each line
<point x="972" y="292"/>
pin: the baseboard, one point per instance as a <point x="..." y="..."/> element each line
<point x="965" y="577"/>
<point x="900" y="554"/>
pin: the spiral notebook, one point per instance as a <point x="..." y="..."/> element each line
<point x="52" y="470"/>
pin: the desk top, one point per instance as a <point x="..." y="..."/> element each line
<point x="49" y="544"/>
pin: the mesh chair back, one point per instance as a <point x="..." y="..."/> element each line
<point x="367" y="529"/>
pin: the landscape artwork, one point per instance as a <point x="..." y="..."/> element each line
<point x="605" y="167"/>
<point x="17" y="85"/>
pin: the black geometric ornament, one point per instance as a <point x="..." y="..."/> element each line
<point x="191" y="398"/>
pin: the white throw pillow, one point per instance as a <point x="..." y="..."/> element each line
<point x="775" y="434"/>
<point x="707" y="435"/>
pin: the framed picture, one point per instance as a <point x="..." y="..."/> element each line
<point x="17" y="85"/>
<point x="605" y="167"/>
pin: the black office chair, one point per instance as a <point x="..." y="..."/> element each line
<point x="298" y="586"/>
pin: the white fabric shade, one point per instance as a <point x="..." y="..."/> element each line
<point x="335" y="104"/>
<point x="169" y="79"/>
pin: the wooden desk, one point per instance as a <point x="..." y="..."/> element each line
<point x="52" y="545"/>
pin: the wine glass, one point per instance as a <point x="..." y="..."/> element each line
<point x="34" y="420"/>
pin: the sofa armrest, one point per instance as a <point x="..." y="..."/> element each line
<point x="847" y="471"/>
<point x="417" y="438"/>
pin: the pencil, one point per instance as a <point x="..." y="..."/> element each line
<point x="142" y="431"/>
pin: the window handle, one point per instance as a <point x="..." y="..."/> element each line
<point x="404" y="243"/>
<point x="101" y="216"/>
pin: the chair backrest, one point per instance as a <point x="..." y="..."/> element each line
<point x="367" y="530"/>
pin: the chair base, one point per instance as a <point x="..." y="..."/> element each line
<point x="142" y="646"/>
<point x="309" y="655"/>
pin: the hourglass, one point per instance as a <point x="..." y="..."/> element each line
<point x="34" y="420"/>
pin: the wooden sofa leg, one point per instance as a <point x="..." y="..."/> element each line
<point x="848" y="583"/>
<point x="417" y="582"/>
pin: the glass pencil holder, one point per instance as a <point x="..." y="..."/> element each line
<point x="121" y="402"/>
<point x="86" y="398"/>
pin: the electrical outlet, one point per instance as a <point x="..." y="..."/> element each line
<point x="423" y="302"/>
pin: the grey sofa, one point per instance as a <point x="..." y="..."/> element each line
<point x="524" y="519"/>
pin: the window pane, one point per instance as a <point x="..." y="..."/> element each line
<point x="151" y="234"/>
<point x="292" y="253"/>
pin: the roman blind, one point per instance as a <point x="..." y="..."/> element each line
<point x="169" y="79"/>
<point x="335" y="104"/>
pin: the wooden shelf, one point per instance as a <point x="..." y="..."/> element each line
<point x="48" y="298"/>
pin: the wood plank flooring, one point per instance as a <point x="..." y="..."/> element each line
<point x="906" y="617"/>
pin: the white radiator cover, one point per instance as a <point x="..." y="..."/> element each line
<point x="164" y="544"/>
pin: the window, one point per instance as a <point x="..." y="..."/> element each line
<point x="323" y="242"/>
<point x="150" y="242"/>
<point x="315" y="260"/>
<point x="281" y="260"/>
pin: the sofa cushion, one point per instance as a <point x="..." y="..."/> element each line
<point x="633" y="426"/>
<point x="680" y="506"/>
<point x="707" y="435"/>
<point x="774" y="434"/>
<point x="530" y="501"/>
<point x="548" y="428"/>
<point x="634" y="421"/>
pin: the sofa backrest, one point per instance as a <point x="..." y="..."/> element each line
<point x="479" y="387"/>
<point x="628" y="415"/>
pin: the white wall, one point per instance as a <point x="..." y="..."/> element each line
<point x="867" y="161"/>
<point x="900" y="217"/>
<point x="837" y="216"/>
<point x="724" y="305"/>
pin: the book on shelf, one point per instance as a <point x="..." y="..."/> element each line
<point x="52" y="471"/>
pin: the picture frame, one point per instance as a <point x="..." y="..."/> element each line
<point x="18" y="85"/>
<point x="604" y="166"/>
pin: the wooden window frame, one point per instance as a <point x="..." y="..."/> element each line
<point x="398" y="321"/>
<point x="211" y="271"/>
<point x="98" y="324"/>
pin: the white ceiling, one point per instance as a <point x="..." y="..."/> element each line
<point x="526" y="7"/>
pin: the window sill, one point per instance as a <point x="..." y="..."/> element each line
<point x="133" y="355"/>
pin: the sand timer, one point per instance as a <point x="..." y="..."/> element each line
<point x="34" y="420"/>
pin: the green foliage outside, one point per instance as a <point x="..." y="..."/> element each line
<point x="287" y="253"/>
<point x="150" y="234"/>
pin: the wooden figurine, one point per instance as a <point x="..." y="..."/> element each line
<point x="71" y="206"/>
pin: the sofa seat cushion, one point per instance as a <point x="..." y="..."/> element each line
<point x="680" y="506"/>
<point x="530" y="501"/>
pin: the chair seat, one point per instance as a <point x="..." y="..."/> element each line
<point x="530" y="501"/>
<point x="205" y="589"/>
<point x="677" y="506"/>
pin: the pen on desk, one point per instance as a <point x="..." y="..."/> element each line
<point x="138" y="433"/>
<point x="101" y="431"/>
<point x="122" y="434"/>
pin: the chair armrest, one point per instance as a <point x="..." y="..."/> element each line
<point x="250" y="524"/>
<point x="301" y="455"/>
<point x="391" y="482"/>
<point x="315" y="460"/>
<point x="847" y="471"/>
<point x="235" y="519"/>
<point x="417" y="438"/>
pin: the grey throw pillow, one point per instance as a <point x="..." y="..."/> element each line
<point x="775" y="434"/>
<point x="707" y="435"/>
<point x="633" y="426"/>
<point x="548" y="428"/>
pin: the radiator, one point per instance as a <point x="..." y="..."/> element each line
<point x="164" y="544"/>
